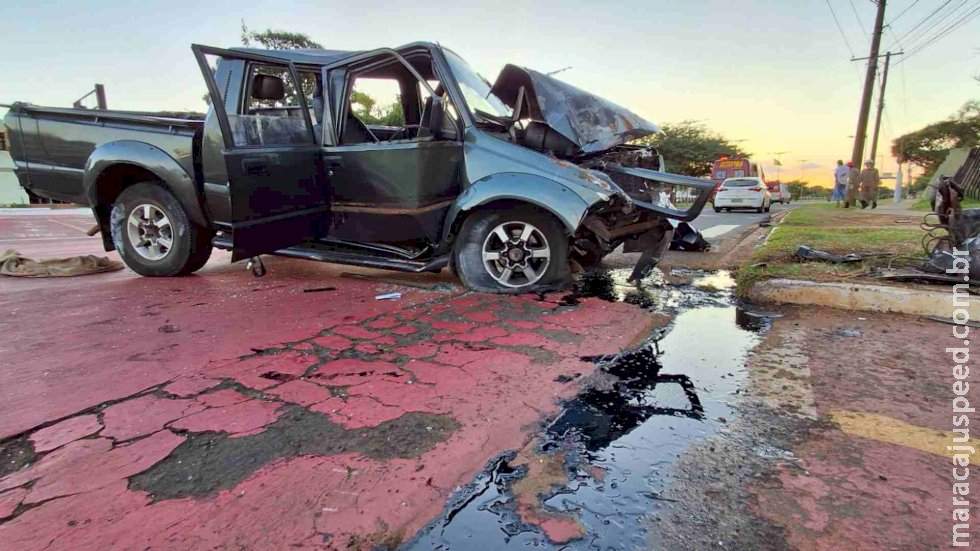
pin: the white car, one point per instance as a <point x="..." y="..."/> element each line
<point x="743" y="193"/>
<point x="780" y="192"/>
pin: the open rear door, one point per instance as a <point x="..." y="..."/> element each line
<point x="278" y="186"/>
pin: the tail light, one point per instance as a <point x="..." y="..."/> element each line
<point x="756" y="188"/>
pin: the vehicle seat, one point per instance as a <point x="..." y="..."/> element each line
<point x="270" y="125"/>
<point x="268" y="87"/>
<point x="318" y="111"/>
<point x="425" y="118"/>
<point x="355" y="131"/>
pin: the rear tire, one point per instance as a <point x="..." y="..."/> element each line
<point x="717" y="209"/>
<point x="153" y="234"/>
<point x="544" y="252"/>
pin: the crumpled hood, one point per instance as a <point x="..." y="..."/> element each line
<point x="590" y="122"/>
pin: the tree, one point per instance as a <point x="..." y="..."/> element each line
<point x="690" y="147"/>
<point x="799" y="188"/>
<point x="367" y="109"/>
<point x="928" y="146"/>
<point x="273" y="39"/>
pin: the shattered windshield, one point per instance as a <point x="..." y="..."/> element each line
<point x="475" y="88"/>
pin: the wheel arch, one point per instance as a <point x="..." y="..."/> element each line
<point x="115" y="166"/>
<point x="511" y="189"/>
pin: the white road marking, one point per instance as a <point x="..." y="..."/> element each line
<point x="715" y="231"/>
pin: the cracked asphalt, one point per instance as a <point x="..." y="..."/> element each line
<point x="132" y="395"/>
<point x="223" y="411"/>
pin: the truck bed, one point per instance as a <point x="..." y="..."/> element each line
<point x="50" y="146"/>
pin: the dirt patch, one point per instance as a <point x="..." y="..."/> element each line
<point x="710" y="489"/>
<point x="15" y="454"/>
<point x="382" y="539"/>
<point x="208" y="462"/>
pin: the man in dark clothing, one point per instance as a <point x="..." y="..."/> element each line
<point x="870" y="180"/>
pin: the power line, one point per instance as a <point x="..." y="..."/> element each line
<point x="919" y="24"/>
<point x="912" y="5"/>
<point x="841" y="29"/>
<point x="905" y="99"/>
<point x="858" y="17"/>
<point x="932" y="25"/>
<point x="949" y="29"/>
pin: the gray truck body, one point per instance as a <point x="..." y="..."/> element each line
<point x="394" y="199"/>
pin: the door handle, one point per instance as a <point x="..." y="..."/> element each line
<point x="255" y="167"/>
<point x="333" y="161"/>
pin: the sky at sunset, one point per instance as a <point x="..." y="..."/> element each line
<point x="774" y="74"/>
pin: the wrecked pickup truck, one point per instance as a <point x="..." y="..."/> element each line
<point x="505" y="184"/>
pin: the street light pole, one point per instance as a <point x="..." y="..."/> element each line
<point x="779" y="162"/>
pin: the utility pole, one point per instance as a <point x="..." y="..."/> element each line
<point x="881" y="103"/>
<point x="869" y="83"/>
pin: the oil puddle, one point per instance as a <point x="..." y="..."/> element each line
<point x="616" y="441"/>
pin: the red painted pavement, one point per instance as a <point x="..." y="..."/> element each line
<point x="154" y="359"/>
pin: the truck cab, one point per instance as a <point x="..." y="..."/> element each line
<point x="505" y="183"/>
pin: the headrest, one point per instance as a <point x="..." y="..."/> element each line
<point x="268" y="87"/>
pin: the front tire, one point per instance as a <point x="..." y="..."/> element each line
<point x="153" y="234"/>
<point x="517" y="250"/>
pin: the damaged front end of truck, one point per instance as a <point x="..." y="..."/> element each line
<point x="591" y="136"/>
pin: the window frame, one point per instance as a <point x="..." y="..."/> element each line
<point x="219" y="100"/>
<point x="368" y="61"/>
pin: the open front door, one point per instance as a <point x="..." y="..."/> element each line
<point x="277" y="182"/>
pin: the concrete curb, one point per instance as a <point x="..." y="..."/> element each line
<point x="859" y="296"/>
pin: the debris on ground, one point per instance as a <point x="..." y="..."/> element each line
<point x="949" y="321"/>
<point x="950" y="228"/>
<point x="688" y="238"/>
<point x="388" y="296"/>
<point x="807" y="253"/>
<point x="915" y="275"/>
<point x="14" y="264"/>
<point x="393" y="281"/>
<point x="319" y="289"/>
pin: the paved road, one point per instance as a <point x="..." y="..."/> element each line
<point x="714" y="225"/>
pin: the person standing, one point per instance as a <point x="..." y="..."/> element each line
<point x="840" y="182"/>
<point x="870" y="180"/>
<point x="853" y="182"/>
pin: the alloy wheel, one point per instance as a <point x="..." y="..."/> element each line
<point x="150" y="232"/>
<point x="516" y="254"/>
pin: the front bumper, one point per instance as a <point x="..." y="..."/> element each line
<point x="646" y="226"/>
<point x="704" y="188"/>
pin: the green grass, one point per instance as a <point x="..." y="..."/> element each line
<point x="784" y="240"/>
<point x="923" y="204"/>
<point x="836" y="231"/>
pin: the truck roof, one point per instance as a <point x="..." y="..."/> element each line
<point x="316" y="56"/>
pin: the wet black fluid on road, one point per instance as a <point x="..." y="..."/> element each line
<point x="626" y="428"/>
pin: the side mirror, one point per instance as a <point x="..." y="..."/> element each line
<point x="437" y="115"/>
